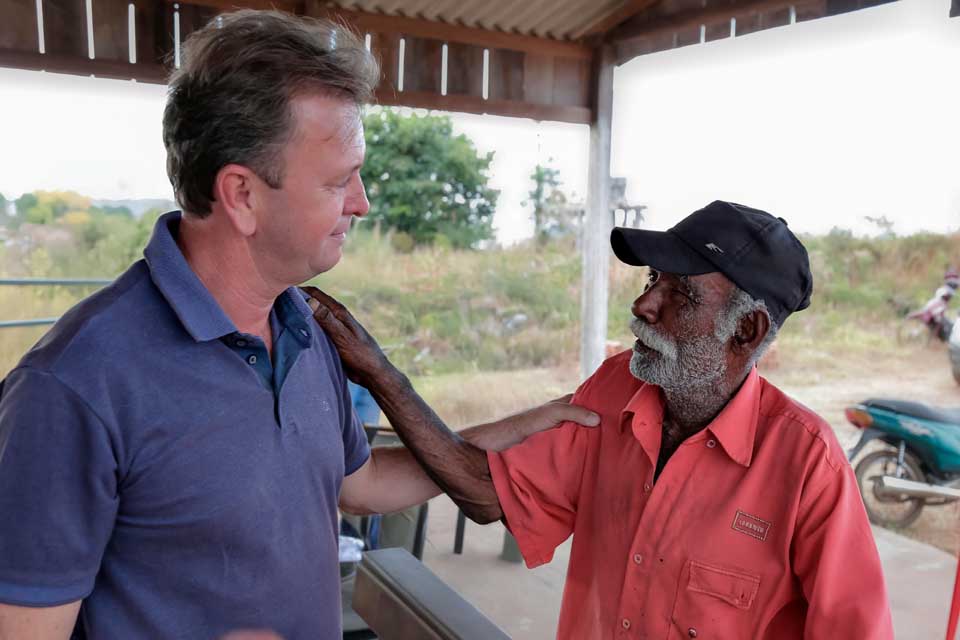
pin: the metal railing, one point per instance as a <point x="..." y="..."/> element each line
<point x="46" y="282"/>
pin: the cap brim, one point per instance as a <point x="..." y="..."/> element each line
<point x="661" y="250"/>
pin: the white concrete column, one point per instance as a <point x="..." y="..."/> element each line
<point x="598" y="222"/>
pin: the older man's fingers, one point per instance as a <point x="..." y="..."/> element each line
<point x="336" y="308"/>
<point x="327" y="306"/>
<point x="578" y="414"/>
<point x="318" y="309"/>
<point x="324" y="299"/>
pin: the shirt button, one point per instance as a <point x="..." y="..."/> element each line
<point x="304" y="333"/>
<point x="625" y="623"/>
<point x="710" y="445"/>
<point x="241" y="343"/>
<point x="692" y="632"/>
<point x="252" y="359"/>
<point x="646" y="486"/>
<point x="638" y="558"/>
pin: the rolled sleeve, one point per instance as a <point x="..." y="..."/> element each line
<point x="538" y="486"/>
<point x="58" y="491"/>
<point x="356" y="449"/>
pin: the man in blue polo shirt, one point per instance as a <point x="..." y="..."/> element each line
<point x="173" y="452"/>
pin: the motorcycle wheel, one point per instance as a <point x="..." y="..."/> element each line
<point x="894" y="512"/>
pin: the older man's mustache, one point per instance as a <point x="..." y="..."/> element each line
<point x="650" y="337"/>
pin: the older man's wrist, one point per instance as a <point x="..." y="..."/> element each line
<point x="387" y="378"/>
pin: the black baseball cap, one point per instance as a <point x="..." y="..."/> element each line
<point x="750" y="247"/>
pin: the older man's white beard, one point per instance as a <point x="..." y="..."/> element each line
<point x="685" y="364"/>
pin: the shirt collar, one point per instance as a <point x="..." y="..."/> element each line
<point x="644" y="412"/>
<point x="197" y="310"/>
<point x="735" y="427"/>
<point x="190" y="300"/>
<point x="295" y="314"/>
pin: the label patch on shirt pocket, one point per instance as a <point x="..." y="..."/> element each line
<point x="734" y="587"/>
<point x="751" y="525"/>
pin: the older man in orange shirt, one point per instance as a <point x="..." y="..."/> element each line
<point x="707" y="503"/>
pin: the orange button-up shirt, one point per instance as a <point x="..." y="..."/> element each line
<point x="754" y="530"/>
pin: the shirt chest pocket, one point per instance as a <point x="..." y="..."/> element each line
<point x="714" y="602"/>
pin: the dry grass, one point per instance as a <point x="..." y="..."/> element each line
<point x="465" y="399"/>
<point x="23" y="303"/>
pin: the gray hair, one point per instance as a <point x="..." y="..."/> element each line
<point x="230" y="100"/>
<point x="740" y="305"/>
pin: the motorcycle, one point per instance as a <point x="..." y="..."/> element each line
<point x="924" y="326"/>
<point x="921" y="446"/>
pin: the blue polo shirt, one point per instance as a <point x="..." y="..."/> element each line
<point x="155" y="464"/>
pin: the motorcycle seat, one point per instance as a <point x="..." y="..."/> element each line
<point x="916" y="410"/>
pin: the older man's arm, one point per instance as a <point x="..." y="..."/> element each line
<point x="456" y="463"/>
<point x="392" y="479"/>
<point x="836" y="561"/>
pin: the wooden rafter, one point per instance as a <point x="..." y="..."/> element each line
<point x="472" y="104"/>
<point x="54" y="63"/>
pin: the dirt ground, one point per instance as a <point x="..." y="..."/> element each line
<point x="922" y="375"/>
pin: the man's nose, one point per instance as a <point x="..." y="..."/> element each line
<point x="647" y="306"/>
<point x="357" y="203"/>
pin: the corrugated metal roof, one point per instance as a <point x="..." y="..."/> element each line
<point x="555" y="19"/>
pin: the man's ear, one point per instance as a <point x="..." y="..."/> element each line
<point x="751" y="330"/>
<point x="234" y="188"/>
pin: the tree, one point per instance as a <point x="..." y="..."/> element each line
<point x="545" y="197"/>
<point x="554" y="214"/>
<point x="425" y="182"/>
<point x="44" y="207"/>
<point x="24" y="203"/>
<point x="111" y="210"/>
<point x="883" y="223"/>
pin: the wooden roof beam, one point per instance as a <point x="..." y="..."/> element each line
<point x="291" y="6"/>
<point x="635" y="29"/>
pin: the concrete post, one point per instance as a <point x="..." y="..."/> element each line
<point x="598" y="221"/>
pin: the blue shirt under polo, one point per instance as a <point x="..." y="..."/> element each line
<point x="149" y="467"/>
